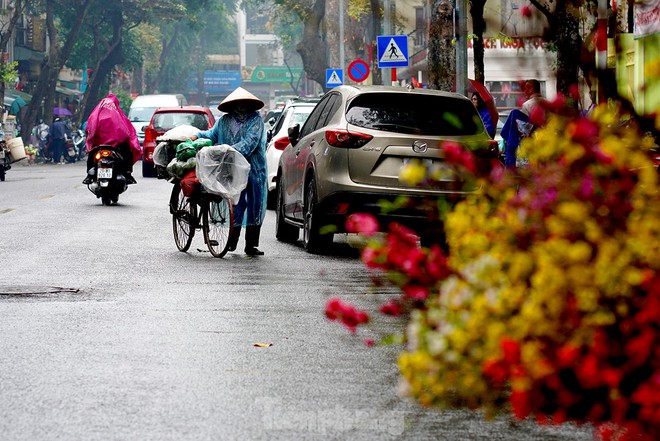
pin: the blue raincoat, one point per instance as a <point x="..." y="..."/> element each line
<point x="248" y="136"/>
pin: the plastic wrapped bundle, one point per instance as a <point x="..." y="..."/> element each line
<point x="179" y="133"/>
<point x="162" y="155"/>
<point x="223" y="170"/>
<point x="179" y="169"/>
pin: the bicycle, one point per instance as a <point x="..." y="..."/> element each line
<point x="212" y="213"/>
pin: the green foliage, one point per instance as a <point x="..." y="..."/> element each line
<point x="125" y="100"/>
<point x="9" y="72"/>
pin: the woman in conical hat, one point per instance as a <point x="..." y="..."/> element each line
<point x="242" y="128"/>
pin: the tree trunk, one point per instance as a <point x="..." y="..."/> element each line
<point x="478" y="29"/>
<point x="569" y="49"/>
<point x="376" y="73"/>
<point x="168" y="44"/>
<point x="51" y="66"/>
<point x="442" y="52"/>
<point x="5" y="36"/>
<point x="313" y="49"/>
<point x="97" y="88"/>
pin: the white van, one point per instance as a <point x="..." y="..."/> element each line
<point x="144" y="106"/>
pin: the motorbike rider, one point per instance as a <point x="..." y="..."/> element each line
<point x="108" y="125"/>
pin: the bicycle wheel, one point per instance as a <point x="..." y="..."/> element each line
<point x="184" y="218"/>
<point x="218" y="221"/>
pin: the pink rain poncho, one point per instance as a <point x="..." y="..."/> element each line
<point x="107" y="125"/>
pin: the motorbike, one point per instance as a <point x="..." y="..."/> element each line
<point x="107" y="179"/>
<point x="70" y="151"/>
<point x="5" y="159"/>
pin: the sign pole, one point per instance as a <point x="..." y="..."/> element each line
<point x="341" y="35"/>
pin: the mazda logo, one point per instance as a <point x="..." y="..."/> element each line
<point x="420" y="147"/>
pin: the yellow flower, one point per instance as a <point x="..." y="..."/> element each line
<point x="412" y="173"/>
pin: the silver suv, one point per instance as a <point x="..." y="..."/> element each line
<point x="347" y="156"/>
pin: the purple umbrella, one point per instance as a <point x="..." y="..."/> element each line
<point x="61" y="111"/>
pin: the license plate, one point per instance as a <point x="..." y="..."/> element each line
<point x="104" y="173"/>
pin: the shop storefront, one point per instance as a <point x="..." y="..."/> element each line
<point x="507" y="62"/>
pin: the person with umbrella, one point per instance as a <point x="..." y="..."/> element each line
<point x="480" y="104"/>
<point x="57" y="136"/>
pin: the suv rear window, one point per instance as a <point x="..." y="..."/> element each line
<point x="166" y="121"/>
<point x="414" y="114"/>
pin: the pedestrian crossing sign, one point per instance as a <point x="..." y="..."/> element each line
<point x="334" y="77"/>
<point x="392" y="50"/>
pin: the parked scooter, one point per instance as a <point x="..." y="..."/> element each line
<point x="107" y="179"/>
<point x="70" y="151"/>
<point x="5" y="159"/>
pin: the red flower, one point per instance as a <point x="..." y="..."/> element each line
<point x="496" y="371"/>
<point x="511" y="350"/>
<point x="392" y="308"/>
<point x="526" y="11"/>
<point x="347" y="314"/>
<point x="567" y="355"/>
<point x="417" y="293"/>
<point x="583" y="131"/>
<point x="519" y="400"/>
<point x="362" y="223"/>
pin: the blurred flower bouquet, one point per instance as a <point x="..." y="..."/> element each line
<point x="31" y="152"/>
<point x="548" y="303"/>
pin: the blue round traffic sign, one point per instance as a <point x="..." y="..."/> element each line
<point x="358" y="70"/>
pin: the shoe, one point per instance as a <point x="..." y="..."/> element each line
<point x="130" y="179"/>
<point x="253" y="252"/>
<point x="88" y="180"/>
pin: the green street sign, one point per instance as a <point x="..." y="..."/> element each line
<point x="275" y="74"/>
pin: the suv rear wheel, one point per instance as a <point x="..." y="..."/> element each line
<point x="313" y="240"/>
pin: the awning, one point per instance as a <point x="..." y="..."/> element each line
<point x="68" y="92"/>
<point x="13" y="93"/>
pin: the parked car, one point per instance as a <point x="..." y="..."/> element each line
<point x="347" y="156"/>
<point x="166" y="118"/>
<point x="271" y="118"/>
<point x="144" y="106"/>
<point x="295" y="112"/>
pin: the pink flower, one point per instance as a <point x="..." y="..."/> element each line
<point x="362" y="223"/>
<point x="584" y="131"/>
<point x="369" y="342"/>
<point x="417" y="293"/>
<point x="391" y="308"/>
<point x="347" y="314"/>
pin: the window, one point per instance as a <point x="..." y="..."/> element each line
<point x="414" y="114"/>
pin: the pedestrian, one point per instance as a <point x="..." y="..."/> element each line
<point x="480" y="104"/>
<point x="534" y="106"/>
<point x="108" y="125"/>
<point x="40" y="133"/>
<point x="58" y="133"/>
<point x="242" y="127"/>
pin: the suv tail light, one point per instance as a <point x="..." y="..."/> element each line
<point x="150" y="134"/>
<point x="281" y="143"/>
<point x="346" y="139"/>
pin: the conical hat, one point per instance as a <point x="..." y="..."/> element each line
<point x="239" y="94"/>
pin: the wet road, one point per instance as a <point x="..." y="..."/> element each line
<point x="108" y="332"/>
